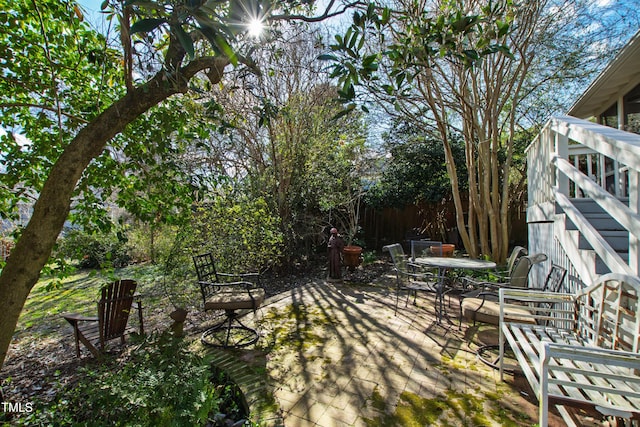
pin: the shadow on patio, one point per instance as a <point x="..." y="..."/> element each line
<point x="337" y="355"/>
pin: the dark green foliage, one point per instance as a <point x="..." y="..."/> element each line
<point x="424" y="38"/>
<point x="416" y="171"/>
<point x="242" y="234"/>
<point x="160" y="384"/>
<point x="95" y="250"/>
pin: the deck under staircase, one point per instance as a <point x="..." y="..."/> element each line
<point x="583" y="199"/>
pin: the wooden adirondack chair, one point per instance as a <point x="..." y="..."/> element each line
<point x="114" y="307"/>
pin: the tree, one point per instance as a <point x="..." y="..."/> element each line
<point x="421" y="64"/>
<point x="415" y="170"/>
<point x="62" y="87"/>
<point x="470" y="68"/>
<point x="281" y="137"/>
<point x="72" y="95"/>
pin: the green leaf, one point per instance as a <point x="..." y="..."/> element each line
<point x="357" y="19"/>
<point x="371" y="10"/>
<point x="354" y="39"/>
<point x="327" y="57"/>
<point x="227" y="50"/>
<point x="386" y="16"/>
<point x="146" y="25"/>
<point x="185" y="40"/>
<point x="503" y="28"/>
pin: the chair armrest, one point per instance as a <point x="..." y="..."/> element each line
<point x="472" y="283"/>
<point x="75" y="318"/>
<point x="418" y="275"/>
<point x="481" y="294"/>
<point x="210" y="288"/>
<point x="242" y="277"/>
<point x="535" y="296"/>
<point x="544" y="307"/>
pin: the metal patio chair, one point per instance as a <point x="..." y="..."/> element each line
<point x="230" y="293"/>
<point x="410" y="277"/>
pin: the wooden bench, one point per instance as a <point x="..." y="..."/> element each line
<point x="581" y="351"/>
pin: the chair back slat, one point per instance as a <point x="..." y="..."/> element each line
<point x="114" y="308"/>
<point x="206" y="268"/>
<point x="553" y="282"/>
<point x="423" y="248"/>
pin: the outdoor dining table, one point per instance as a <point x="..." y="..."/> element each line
<point x="446" y="264"/>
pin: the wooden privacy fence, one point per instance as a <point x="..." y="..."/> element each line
<point x="393" y="225"/>
<point x="436" y="221"/>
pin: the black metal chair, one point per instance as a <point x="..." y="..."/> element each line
<point x="410" y="277"/>
<point x="230" y="293"/>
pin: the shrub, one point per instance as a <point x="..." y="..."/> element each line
<point x="95" y="250"/>
<point x="150" y="243"/>
<point x="160" y="384"/>
<point x="242" y="234"/>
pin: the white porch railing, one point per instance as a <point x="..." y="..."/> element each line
<point x="573" y="159"/>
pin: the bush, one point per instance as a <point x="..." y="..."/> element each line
<point x="160" y="384"/>
<point x="147" y="243"/>
<point x="242" y="234"/>
<point x="95" y="250"/>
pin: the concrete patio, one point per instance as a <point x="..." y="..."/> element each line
<point x="338" y="355"/>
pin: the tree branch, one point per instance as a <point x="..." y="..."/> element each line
<point x="43" y="107"/>
<point x="327" y="13"/>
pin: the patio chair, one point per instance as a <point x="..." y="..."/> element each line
<point x="516" y="253"/>
<point x="501" y="275"/>
<point x="114" y="307"/>
<point x="410" y="277"/>
<point x="485" y="307"/>
<point x="422" y="248"/>
<point x="229" y="293"/>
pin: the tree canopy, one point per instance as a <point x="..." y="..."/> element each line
<point x="473" y="69"/>
<point x="415" y="169"/>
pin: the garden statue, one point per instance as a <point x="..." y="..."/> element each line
<point x="335" y="245"/>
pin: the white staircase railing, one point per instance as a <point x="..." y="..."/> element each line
<point x="576" y="159"/>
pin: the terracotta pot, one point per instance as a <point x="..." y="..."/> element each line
<point x="352" y="257"/>
<point x="447" y="249"/>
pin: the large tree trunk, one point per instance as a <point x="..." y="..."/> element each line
<point x="33" y="248"/>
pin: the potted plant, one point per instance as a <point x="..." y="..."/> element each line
<point x="352" y="252"/>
